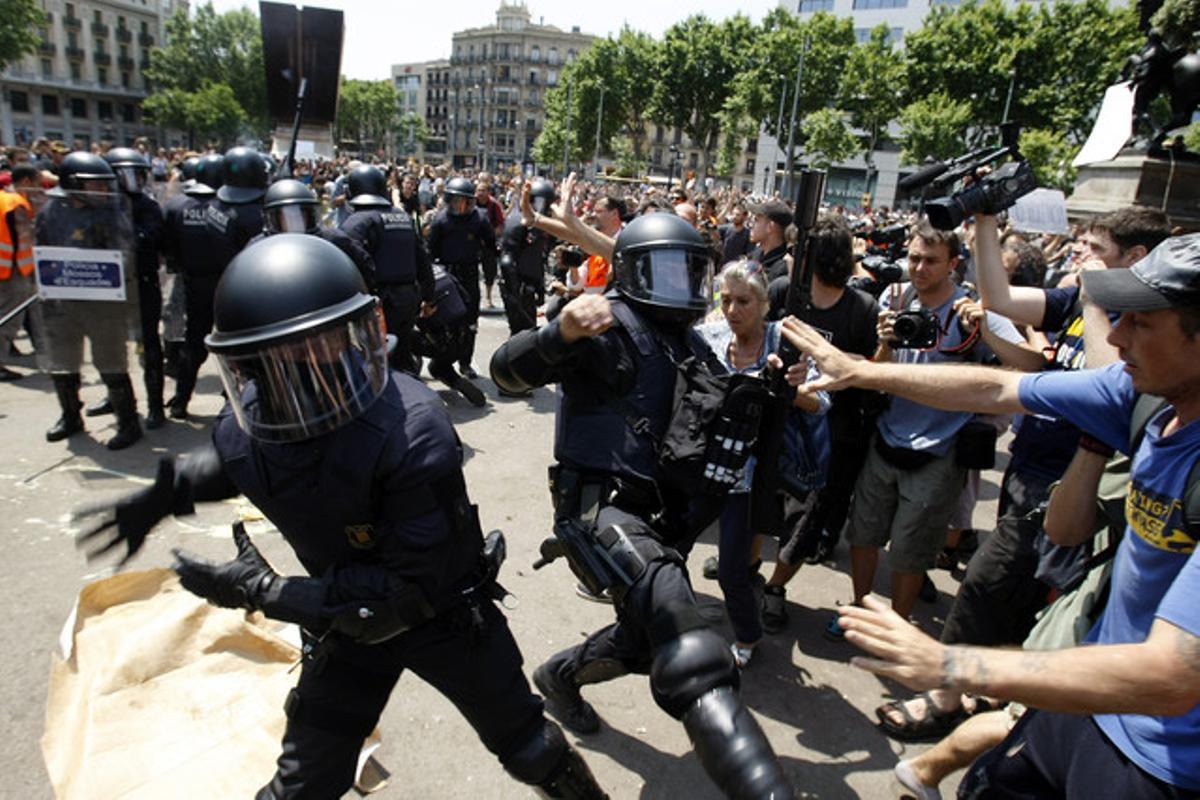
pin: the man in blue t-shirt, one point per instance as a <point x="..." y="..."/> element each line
<point x="1121" y="716"/>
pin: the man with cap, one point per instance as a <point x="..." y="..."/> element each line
<point x="1129" y="702"/>
<point x="768" y="233"/>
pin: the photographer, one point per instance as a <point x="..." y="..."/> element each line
<point x="912" y="478"/>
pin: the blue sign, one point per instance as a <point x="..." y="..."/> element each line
<point x="77" y="273"/>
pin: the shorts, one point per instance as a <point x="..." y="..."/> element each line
<point x="908" y="507"/>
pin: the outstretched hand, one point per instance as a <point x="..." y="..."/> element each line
<point x="564" y="209"/>
<point x="130" y="519"/>
<point x="239" y="583"/>
<point x="902" y="651"/>
<point x="838" y="369"/>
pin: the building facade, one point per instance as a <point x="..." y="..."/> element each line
<point x="85" y="83"/>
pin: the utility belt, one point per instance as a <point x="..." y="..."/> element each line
<point x="609" y="558"/>
<point x="902" y="457"/>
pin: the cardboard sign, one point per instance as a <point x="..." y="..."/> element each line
<point x="76" y="273"/>
<point x="1041" y="211"/>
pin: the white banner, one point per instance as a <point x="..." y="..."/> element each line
<point x="79" y="273"/>
<point x="1041" y="211"/>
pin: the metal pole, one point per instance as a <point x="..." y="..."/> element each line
<point x="567" y="132"/>
<point x="599" y="117"/>
<point x="778" y="136"/>
<point x="791" y="145"/>
<point x="1008" y="102"/>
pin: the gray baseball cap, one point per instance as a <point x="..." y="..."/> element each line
<point x="1166" y="278"/>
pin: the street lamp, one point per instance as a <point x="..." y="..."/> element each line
<point x="599" y="119"/>
<point x="671" y="169"/>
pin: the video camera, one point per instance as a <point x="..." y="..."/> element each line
<point x="989" y="194"/>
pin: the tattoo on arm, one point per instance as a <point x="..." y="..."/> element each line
<point x="1187" y="646"/>
<point x="964" y="668"/>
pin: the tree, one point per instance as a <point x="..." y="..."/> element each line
<point x="214" y="48"/>
<point x="698" y="63"/>
<point x="870" y="88"/>
<point x="828" y="138"/>
<point x="366" y="112"/>
<point x="411" y="131"/>
<point x="19" y="21"/>
<point x="933" y="127"/>
<point x="1050" y="153"/>
<point x="210" y="114"/>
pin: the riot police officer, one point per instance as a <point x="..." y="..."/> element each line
<point x="187" y="171"/>
<point x="402" y="578"/>
<point x="461" y="238"/>
<point x="403" y="274"/>
<point x="620" y="526"/>
<point x="133" y="170"/>
<point x="86" y="211"/>
<point x="291" y="207"/>
<point x="231" y="220"/>
<point x="523" y="252"/>
<point x="183" y="221"/>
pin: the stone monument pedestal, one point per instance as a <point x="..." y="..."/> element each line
<point x="1135" y="178"/>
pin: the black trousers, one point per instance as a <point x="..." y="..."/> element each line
<point x="468" y="276"/>
<point x="1049" y="754"/>
<point x="150" y="306"/>
<point x="520" y="296"/>
<point x="846" y="458"/>
<point x="401" y="304"/>
<point x="342" y="692"/>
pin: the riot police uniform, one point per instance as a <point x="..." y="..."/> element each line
<point x="523" y="253"/>
<point x="403" y="273"/>
<point x="231" y="220"/>
<point x="132" y="170"/>
<point x="460" y="239"/>
<point x="620" y="527"/>
<point x="86" y="211"/>
<point x="181" y="212"/>
<point x="360" y="469"/>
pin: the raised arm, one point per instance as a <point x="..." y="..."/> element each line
<point x="564" y="224"/>
<point x="1024" y="305"/>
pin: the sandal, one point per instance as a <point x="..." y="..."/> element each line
<point x="933" y="726"/>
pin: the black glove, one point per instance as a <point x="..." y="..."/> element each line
<point x="133" y="516"/>
<point x="241" y="583"/>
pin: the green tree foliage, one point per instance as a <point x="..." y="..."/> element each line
<point x="558" y="129"/>
<point x="1050" y="154"/>
<point x="871" y="87"/>
<point x="828" y="138"/>
<point x="411" y="132"/>
<point x="210" y="115"/>
<point x="19" y="21"/>
<point x="366" y="112"/>
<point x="933" y="127"/>
<point x="698" y="63"/>
<point x="1179" y="20"/>
<point x="211" y="48"/>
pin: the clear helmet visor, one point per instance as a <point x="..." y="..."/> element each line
<point x="307" y="387"/>
<point x="131" y="179"/>
<point x="460" y="206"/>
<point x="539" y="204"/>
<point x="297" y="218"/>
<point x="671" y="278"/>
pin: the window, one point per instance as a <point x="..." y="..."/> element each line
<point x="864" y="35"/>
<point x="47" y="67"/>
<point x="19" y="101"/>
<point x="96" y="17"/>
<point x="813" y="6"/>
<point x="79" y="107"/>
<point x="70" y="9"/>
<point x="553" y="57"/>
<point x="104" y="109"/>
<point x="658" y="134"/>
<point x="865" y="5"/>
<point x="552" y="78"/>
<point x="751" y="146"/>
<point x="102" y="75"/>
<point x="76" y="74"/>
<point x="125" y="79"/>
<point x="50" y="105"/>
<point x="128" y="112"/>
<point x="72" y="40"/>
<point x="535" y="53"/>
<point x="693" y="160"/>
<point x="750" y="165"/>
<point x="533" y="77"/>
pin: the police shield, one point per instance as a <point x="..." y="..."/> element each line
<point x="85" y="273"/>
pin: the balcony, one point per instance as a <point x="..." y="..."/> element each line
<point x="73" y="23"/>
<point x="145" y="40"/>
<point x="75" y="53"/>
<point x="101" y="59"/>
<point x="47" y="48"/>
<point x="99" y="29"/>
<point x="124" y="35"/>
<point x="125" y="62"/>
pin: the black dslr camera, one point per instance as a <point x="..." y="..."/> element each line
<point x="918" y="329"/>
<point x="990" y="194"/>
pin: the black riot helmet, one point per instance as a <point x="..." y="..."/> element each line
<point x="289" y="207"/>
<point x="366" y="186"/>
<point x="299" y="341"/>
<point x="662" y="265"/>
<point x="541" y="195"/>
<point x="211" y="171"/>
<point x="131" y="167"/>
<point x="245" y="176"/>
<point x="460" y="196"/>
<point x="83" y="171"/>
<point x="188" y="167"/>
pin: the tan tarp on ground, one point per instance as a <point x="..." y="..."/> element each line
<point x="157" y="694"/>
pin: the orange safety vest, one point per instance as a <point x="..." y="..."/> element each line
<point x="597" y="275"/>
<point x="13" y="251"/>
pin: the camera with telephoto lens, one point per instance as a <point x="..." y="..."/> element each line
<point x="989" y="194"/>
<point x="918" y="329"/>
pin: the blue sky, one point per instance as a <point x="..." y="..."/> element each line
<point x="380" y="33"/>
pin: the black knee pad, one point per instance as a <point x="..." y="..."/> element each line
<point x="535" y="760"/>
<point x="689" y="666"/>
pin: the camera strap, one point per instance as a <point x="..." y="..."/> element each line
<point x="962" y="348"/>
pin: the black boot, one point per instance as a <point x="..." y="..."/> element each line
<point x="185" y="384"/>
<point x="120" y="389"/>
<point x="563" y="700"/>
<point x="571" y="779"/>
<point x="99" y="408"/>
<point x="154" y="397"/>
<point x="733" y="749"/>
<point x="66" y="386"/>
<point x="172" y="352"/>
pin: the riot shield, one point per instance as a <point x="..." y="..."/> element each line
<point x="85" y="268"/>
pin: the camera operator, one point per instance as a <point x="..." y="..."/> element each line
<point x="913" y="475"/>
